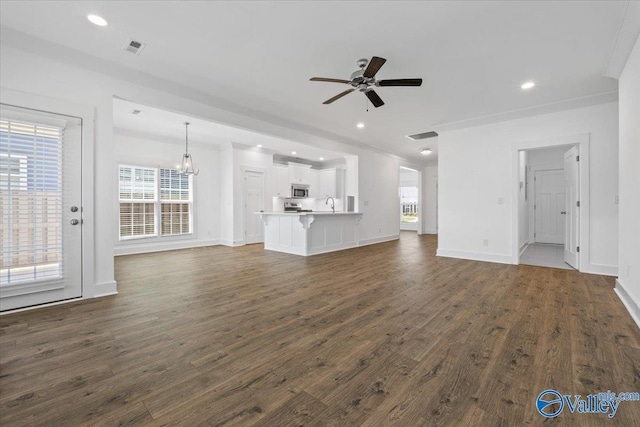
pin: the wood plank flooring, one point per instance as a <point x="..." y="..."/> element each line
<point x="381" y="335"/>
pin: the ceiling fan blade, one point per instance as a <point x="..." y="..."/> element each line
<point x="374" y="65"/>
<point x="400" y="82"/>
<point x="338" y="96"/>
<point x="374" y="98"/>
<point x="323" y="79"/>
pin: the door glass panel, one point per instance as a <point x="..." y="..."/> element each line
<point x="30" y="202"/>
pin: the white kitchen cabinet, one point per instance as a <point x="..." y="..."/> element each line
<point x="313" y="183"/>
<point x="326" y="183"/>
<point x="299" y="173"/>
<point x="283" y="185"/>
<point x="330" y="183"/>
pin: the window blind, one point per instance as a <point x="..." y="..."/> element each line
<point x="30" y="201"/>
<point x="138" y="193"/>
<point x="175" y="203"/>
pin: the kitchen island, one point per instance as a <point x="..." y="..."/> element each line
<point x="310" y="233"/>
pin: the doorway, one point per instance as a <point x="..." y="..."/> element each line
<point x="548" y="215"/>
<point x="253" y="202"/>
<point x="41" y="222"/>
<point x="409" y="199"/>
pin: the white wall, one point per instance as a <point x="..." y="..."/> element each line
<point x="378" y="197"/>
<point x="523" y="199"/>
<point x="136" y="150"/>
<point x="628" y="283"/>
<point x="430" y="199"/>
<point x="476" y="171"/>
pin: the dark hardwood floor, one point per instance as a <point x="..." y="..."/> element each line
<point x="386" y="334"/>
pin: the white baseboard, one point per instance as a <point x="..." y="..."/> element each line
<point x="104" y="289"/>
<point x="231" y="243"/>
<point x="430" y="231"/>
<point x="163" y="246"/>
<point x="605" y="270"/>
<point x="524" y="247"/>
<point x="475" y="256"/>
<point x="633" y="307"/>
<point x="380" y="239"/>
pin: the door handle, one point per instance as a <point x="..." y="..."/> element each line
<point x="74" y="222"/>
<point x="563" y="212"/>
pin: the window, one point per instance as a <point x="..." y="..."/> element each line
<point x="141" y="210"/>
<point x="175" y="203"/>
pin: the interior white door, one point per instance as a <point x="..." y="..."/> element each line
<point x="253" y="202"/>
<point x="572" y="209"/>
<point x="549" y="206"/>
<point x="40" y="182"/>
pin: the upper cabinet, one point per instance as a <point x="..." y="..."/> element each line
<point x="299" y="173"/>
<point x="330" y="183"/>
<point x="283" y="185"/>
<point x="322" y="183"/>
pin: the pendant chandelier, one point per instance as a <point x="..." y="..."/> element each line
<point x="187" y="167"/>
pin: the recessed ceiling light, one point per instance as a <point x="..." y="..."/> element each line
<point x="426" y="151"/>
<point x="97" y="20"/>
<point x="294" y="153"/>
<point x="527" y="85"/>
<point x="321" y="158"/>
<point x="259" y="145"/>
<point x="360" y="125"/>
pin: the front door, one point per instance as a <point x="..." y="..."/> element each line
<point x="41" y="224"/>
<point x="253" y="202"/>
<point x="572" y="209"/>
<point x="549" y="206"/>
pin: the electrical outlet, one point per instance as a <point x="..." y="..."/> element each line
<point x="366" y="203"/>
<point x="500" y="201"/>
<point x="486" y="242"/>
<point x="379" y="230"/>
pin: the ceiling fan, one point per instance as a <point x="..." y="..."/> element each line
<point x="364" y="81"/>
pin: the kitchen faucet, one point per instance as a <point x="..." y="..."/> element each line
<point x="333" y="207"/>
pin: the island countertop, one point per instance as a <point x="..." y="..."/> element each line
<point x="309" y="213"/>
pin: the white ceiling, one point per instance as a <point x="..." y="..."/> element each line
<point x="169" y="125"/>
<point x="472" y="56"/>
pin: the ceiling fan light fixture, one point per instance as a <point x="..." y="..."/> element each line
<point x="527" y="85"/>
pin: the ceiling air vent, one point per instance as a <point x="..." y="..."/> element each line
<point x="136" y="111"/>
<point x="423" y="135"/>
<point x="134" y="46"/>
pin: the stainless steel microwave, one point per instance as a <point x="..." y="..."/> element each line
<point x="299" y="191"/>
